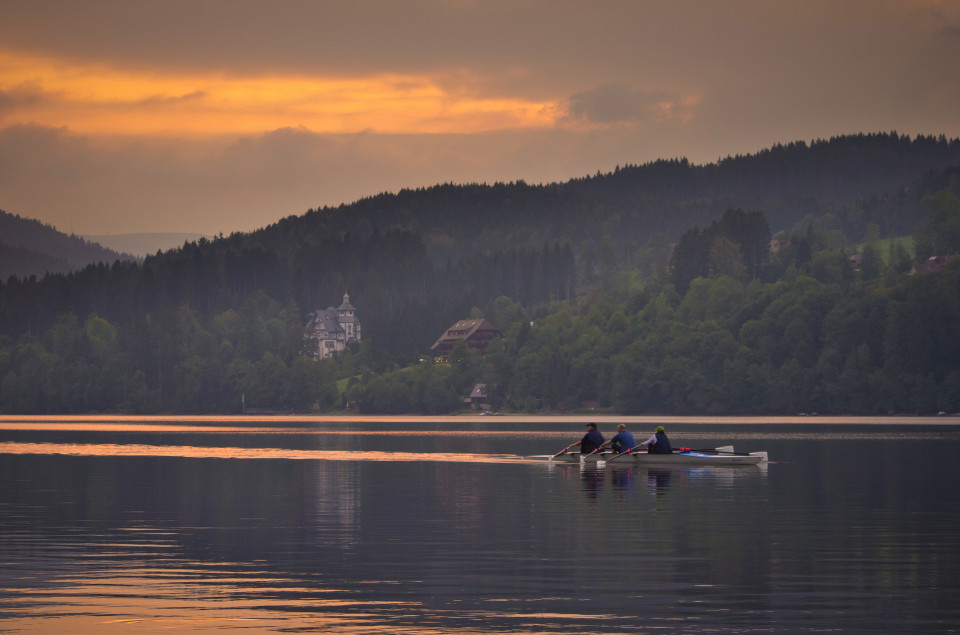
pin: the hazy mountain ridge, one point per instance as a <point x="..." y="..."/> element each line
<point x="29" y="247"/>
<point x="846" y="183"/>
<point x="142" y="244"/>
<point x="847" y="177"/>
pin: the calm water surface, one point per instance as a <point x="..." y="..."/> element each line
<point x="412" y="526"/>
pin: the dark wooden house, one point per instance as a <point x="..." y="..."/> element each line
<point x="477" y="333"/>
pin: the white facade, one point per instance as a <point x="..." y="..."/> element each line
<point x="329" y="330"/>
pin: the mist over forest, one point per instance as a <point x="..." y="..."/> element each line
<point x="797" y="279"/>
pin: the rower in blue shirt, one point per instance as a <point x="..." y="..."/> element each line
<point x="621" y="441"/>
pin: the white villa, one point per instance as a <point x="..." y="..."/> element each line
<point x="329" y="330"/>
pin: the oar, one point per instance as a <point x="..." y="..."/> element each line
<point x="718" y="451"/>
<point x="563" y="451"/>
<point x="634" y="450"/>
<point x="722" y="450"/>
<point x="625" y="453"/>
<point x="600" y="462"/>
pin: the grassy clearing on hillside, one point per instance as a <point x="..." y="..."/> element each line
<point x="884" y="247"/>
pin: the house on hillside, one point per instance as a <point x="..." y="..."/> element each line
<point x="329" y="330"/>
<point x="478" y="398"/>
<point x="933" y="264"/>
<point x="477" y="333"/>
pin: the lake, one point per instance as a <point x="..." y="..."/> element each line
<point x="425" y="526"/>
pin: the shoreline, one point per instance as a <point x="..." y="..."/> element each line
<point x="885" y="420"/>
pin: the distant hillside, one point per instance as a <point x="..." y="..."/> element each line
<point x="844" y="183"/>
<point x="29" y="247"/>
<point x="143" y="244"/>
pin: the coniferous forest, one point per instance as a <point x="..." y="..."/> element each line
<point x="793" y="280"/>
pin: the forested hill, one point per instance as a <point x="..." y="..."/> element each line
<point x="844" y="183"/>
<point x="31" y="248"/>
<point x="596" y="303"/>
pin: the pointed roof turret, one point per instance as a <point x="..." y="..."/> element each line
<point x="346" y="306"/>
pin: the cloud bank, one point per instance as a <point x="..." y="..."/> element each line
<point x="218" y="116"/>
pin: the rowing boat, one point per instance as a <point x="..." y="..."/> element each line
<point x="717" y="457"/>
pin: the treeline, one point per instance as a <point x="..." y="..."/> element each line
<point x="814" y="332"/>
<point x="21" y="262"/>
<point x="827" y="344"/>
<point x="811" y="330"/>
<point x="197" y="330"/>
<point x="737" y="245"/>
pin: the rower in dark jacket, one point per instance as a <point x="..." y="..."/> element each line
<point x="658" y="443"/>
<point x="591" y="440"/>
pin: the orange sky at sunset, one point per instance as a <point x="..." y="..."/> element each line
<point x="226" y="115"/>
<point x="98" y="100"/>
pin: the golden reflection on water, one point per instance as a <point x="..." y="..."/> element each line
<point x="136" y="427"/>
<point x="195" y="452"/>
<point x="461" y="426"/>
<point x="165" y="600"/>
<point x="96" y="426"/>
<point x="201" y="600"/>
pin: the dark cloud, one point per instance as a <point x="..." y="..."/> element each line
<point x="251" y="35"/>
<point x="19" y="97"/>
<point x="165" y="100"/>
<point x="618" y="102"/>
<point x="499" y="47"/>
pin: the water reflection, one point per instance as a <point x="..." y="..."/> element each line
<point x="107" y="592"/>
<point x="456" y="532"/>
<point x="202" y="598"/>
<point x="106" y="449"/>
<point x="624" y="479"/>
<point x="592" y="480"/>
<point x="659" y="478"/>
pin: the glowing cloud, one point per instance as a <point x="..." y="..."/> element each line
<point x="101" y="100"/>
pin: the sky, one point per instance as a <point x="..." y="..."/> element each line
<point x="215" y="116"/>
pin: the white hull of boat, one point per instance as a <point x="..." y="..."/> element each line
<point x="721" y="457"/>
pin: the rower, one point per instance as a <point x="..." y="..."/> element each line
<point x="621" y="441"/>
<point x="591" y="441"/>
<point x="658" y="443"/>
